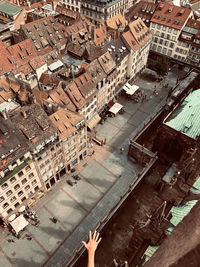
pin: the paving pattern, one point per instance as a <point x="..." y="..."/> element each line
<point x="105" y="177"/>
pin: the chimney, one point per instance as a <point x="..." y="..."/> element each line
<point x="24" y="114"/>
<point x="4" y="113"/>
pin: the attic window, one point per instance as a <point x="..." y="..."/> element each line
<point x="22" y="56"/>
<point x="30" y="54"/>
<point x="12" y="61"/>
<point x="56" y="117"/>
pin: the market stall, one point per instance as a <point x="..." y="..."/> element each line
<point x="19" y="224"/>
<point x="116" y="108"/>
<point x="130" y="89"/>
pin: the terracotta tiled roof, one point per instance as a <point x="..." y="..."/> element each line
<point x="96" y="71"/>
<point x="67" y="12"/>
<point x="75" y="95"/>
<point x="25" y="69"/>
<point x="195" y="24"/>
<point x="65" y="121"/>
<point x="99" y="36"/>
<point x="48" y="79"/>
<point x="37" y="5"/>
<point x="143" y="9"/>
<point x="36" y="125"/>
<point x="171" y="16"/>
<point x="37" y="62"/>
<point x="40" y="95"/>
<point x="130" y="40"/>
<point x="106" y="62"/>
<point x="8" y="88"/>
<point x="75" y="28"/>
<point x="116" y="22"/>
<point x="44" y="34"/>
<point x="138" y="34"/>
<point x="86" y="85"/>
<point x="16" y="55"/>
<point x="58" y="95"/>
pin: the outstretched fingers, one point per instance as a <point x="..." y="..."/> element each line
<point x="97" y="236"/>
<point x="98" y="241"/>
<point x="90" y="235"/>
<point x="94" y="235"/>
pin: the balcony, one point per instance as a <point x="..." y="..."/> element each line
<point x="27" y="161"/>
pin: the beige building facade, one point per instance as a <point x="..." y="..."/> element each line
<point x="166" y="26"/>
<point x="73" y="136"/>
<point x="20" y="184"/>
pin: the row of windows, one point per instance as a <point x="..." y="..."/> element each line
<point x="6" y="205"/>
<point x="181" y="51"/>
<point x="162" y="50"/>
<point x="164" y="28"/>
<point x="19" y="193"/>
<point x="163" y="42"/>
<point x="13" y="179"/>
<point x="164" y="35"/>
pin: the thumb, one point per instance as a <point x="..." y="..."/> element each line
<point x="83" y="242"/>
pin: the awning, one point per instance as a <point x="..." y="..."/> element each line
<point x="19" y="223"/>
<point x="116" y="108"/>
<point x="93" y="122"/>
<point x="12" y="217"/>
<point x="130" y="89"/>
<point x="22" y="208"/>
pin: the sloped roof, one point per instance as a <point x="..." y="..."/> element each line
<point x="99" y="36"/>
<point x="186" y="118"/>
<point x="171" y="15"/>
<point x="106" y="62"/>
<point x="138" y="34"/>
<point x="116" y="22"/>
<point x="65" y="121"/>
<point x="9" y="9"/>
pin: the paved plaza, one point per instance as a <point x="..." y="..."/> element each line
<point x="105" y="176"/>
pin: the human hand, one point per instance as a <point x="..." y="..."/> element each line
<point x="93" y="242"/>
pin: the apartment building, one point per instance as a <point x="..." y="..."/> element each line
<point x="189" y="44"/>
<point x="74" y="5"/>
<point x="19" y="180"/>
<point x="138" y="40"/>
<point x="12" y="14"/>
<point x="42" y="138"/>
<point x="166" y="25"/>
<point x="120" y="55"/>
<point x="99" y="78"/>
<point x="44" y="35"/>
<point x="98" y="11"/>
<point x="143" y="10"/>
<point x="72" y="132"/>
<point x="115" y="26"/>
<point x="109" y="67"/>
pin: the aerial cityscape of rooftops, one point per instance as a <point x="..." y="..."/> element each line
<point x="99" y="133"/>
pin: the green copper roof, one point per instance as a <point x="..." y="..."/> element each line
<point x="9" y="9"/>
<point x="186" y="117"/>
<point x="179" y="212"/>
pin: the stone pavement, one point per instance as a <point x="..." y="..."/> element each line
<point x="105" y="177"/>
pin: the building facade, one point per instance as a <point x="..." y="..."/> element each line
<point x="166" y="25"/>
<point x="137" y="39"/>
<point x="100" y="11"/>
<point x="19" y="180"/>
<point x="73" y="136"/>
